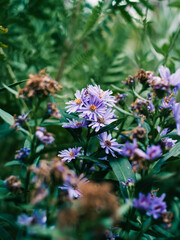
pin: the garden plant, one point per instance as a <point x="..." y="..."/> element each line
<point x="89" y="120"/>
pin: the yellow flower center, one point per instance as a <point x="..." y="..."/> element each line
<point x="78" y="124"/>
<point x="78" y="101"/>
<point x="92" y="108"/>
<point x="101" y="95"/>
<point x="101" y="120"/>
<point x="107" y="143"/>
<point x="71" y="154"/>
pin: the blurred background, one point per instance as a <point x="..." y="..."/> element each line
<point x="81" y="42"/>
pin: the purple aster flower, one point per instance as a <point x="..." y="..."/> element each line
<point x="128" y="183"/>
<point x="103" y="95"/>
<point x="142" y="202"/>
<point x="106" y="119"/>
<point x="75" y="124"/>
<point x="38" y="217"/>
<point x="22" y="153"/>
<point x="70" y="154"/>
<point x="45" y="137"/>
<point x="173" y="79"/>
<point x="176" y="112"/>
<point x="93" y="108"/>
<point x="71" y="185"/>
<point x="152" y="152"/>
<point x="157" y="207"/>
<point x="109" y="144"/>
<point x="76" y="104"/>
<point x="129" y="148"/>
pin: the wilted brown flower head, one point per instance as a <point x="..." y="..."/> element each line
<point x="39" y="84"/>
<point x="59" y="171"/>
<point x="138" y="132"/>
<point x="142" y="76"/>
<point x="40" y="180"/>
<point x="13" y="184"/>
<point x="67" y="217"/>
<point x="97" y="199"/>
<point x="138" y="163"/>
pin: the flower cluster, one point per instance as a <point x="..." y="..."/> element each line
<point x="94" y="105"/>
<point x="154" y="206"/>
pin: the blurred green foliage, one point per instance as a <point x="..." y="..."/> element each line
<point x="79" y="44"/>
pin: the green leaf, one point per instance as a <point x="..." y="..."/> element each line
<point x="174" y="151"/>
<point x="174" y="4"/>
<point x="10" y="89"/>
<point x="2" y="45"/>
<point x="12" y="85"/>
<point x="92" y="20"/>
<point x="96" y="160"/>
<point x="138" y="96"/>
<point x="158" y="49"/>
<point x="4" y="234"/>
<point x="6" y="117"/>
<point x="5" y="130"/>
<point x="123" y="171"/>
<point x="123" y="111"/>
<point x="12" y="163"/>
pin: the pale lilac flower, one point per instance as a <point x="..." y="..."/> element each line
<point x="72" y="192"/>
<point x="22" y="153"/>
<point x="142" y="202"/>
<point x="70" y="154"/>
<point x="72" y="184"/>
<point x="45" y="137"/>
<point x="38" y="217"/>
<point x="173" y="79"/>
<point x="75" y="124"/>
<point x="93" y="108"/>
<point x="157" y="207"/>
<point x="152" y="152"/>
<point x="103" y="95"/>
<point x="106" y="119"/>
<point x="129" y="148"/>
<point x="176" y="111"/>
<point x="109" y="144"/>
<point x="76" y="104"/>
